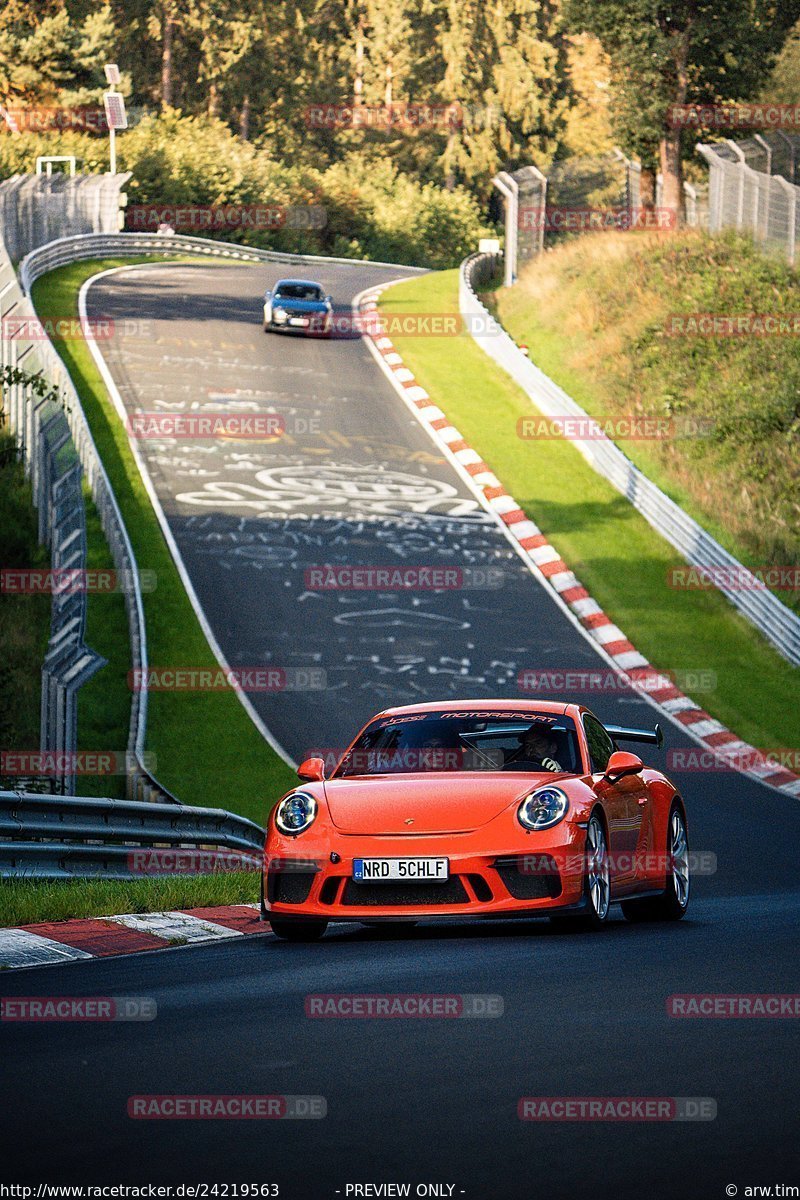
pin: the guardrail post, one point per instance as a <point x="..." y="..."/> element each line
<point x="791" y="191"/>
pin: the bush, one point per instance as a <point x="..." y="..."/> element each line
<point x="373" y="210"/>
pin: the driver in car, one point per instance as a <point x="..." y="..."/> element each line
<point x="536" y="750"/>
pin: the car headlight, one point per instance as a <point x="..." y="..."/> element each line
<point x="279" y="314"/>
<point x="295" y="813"/>
<point x="543" y="808"/>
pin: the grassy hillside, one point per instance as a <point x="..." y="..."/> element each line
<point x="597" y="315"/>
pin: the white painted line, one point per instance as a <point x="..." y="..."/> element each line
<point x="21" y="948"/>
<point x="172" y="925"/>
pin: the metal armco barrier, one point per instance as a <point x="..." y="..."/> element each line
<point x="762" y="608"/>
<point x="62" y="425"/>
<point x="56" y="837"/>
<point x="104" y="245"/>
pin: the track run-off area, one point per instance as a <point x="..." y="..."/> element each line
<point x="355" y="480"/>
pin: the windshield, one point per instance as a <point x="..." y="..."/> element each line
<point x="463" y="741"/>
<point x="298" y="291"/>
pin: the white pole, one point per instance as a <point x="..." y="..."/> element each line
<point x="112" y="150"/>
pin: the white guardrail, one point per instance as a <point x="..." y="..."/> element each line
<point x="748" y="594"/>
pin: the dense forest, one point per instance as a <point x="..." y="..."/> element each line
<point x="430" y="94"/>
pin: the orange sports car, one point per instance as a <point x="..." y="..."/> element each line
<point x="477" y="808"/>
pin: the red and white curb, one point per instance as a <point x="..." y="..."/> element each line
<point x="103" y="937"/>
<point x="547" y="564"/>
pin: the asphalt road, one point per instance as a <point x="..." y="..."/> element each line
<point x="409" y="1101"/>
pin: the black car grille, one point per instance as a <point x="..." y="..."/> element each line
<point x="289" y="887"/>
<point x="528" y="880"/>
<point x="366" y="895"/>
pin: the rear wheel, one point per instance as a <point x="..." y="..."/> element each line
<point x="673" y="902"/>
<point x="297" y="929"/>
<point x="596" y="883"/>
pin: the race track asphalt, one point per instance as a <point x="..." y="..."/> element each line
<point x="409" y="1101"/>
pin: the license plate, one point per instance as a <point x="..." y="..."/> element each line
<point x="409" y="870"/>
<point x="299" y="321"/>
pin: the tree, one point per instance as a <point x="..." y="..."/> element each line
<point x="678" y="52"/>
<point x="783" y="85"/>
<point x="505" y="64"/>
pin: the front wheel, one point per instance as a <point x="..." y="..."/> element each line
<point x="673" y="902"/>
<point x="596" y="883"/>
<point x="297" y="929"/>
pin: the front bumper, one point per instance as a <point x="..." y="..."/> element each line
<point x="319" y="323"/>
<point x="541" y="874"/>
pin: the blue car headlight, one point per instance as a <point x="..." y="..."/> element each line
<point x="295" y="813"/>
<point x="543" y="808"/>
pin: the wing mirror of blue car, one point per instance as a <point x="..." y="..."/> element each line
<point x="329" y="299"/>
<point x="312" y="770"/>
<point x="622" y="763"/>
<point x="267" y="295"/>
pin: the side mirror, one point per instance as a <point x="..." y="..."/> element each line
<point x="312" y="770"/>
<point x="329" y="299"/>
<point x="267" y="295"/>
<point x="621" y="764"/>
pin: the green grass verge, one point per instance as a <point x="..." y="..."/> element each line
<point x="620" y="559"/>
<point x="24" y="620"/>
<point x="207" y="750"/>
<point x="26" y="901"/>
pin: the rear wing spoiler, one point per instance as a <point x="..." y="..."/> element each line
<point x="620" y="733"/>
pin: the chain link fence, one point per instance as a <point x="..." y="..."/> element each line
<point x="35" y="209"/>
<point x="581" y="195"/>
<point x="753" y="188"/>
